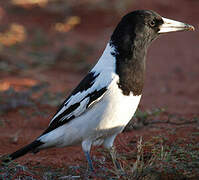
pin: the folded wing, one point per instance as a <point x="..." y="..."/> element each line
<point x="90" y="90"/>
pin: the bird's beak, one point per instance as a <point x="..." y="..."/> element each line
<point x="172" y="26"/>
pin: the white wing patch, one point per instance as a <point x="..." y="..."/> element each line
<point x="79" y="110"/>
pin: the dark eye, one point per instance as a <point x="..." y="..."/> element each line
<point x="152" y="23"/>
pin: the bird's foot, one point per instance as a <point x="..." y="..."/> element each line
<point x="90" y="174"/>
<point x="117" y="165"/>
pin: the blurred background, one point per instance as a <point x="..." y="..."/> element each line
<point x="47" y="46"/>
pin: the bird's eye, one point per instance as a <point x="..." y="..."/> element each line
<point x="152" y="23"/>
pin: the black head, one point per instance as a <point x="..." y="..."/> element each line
<point x="139" y="28"/>
<point x="142" y="24"/>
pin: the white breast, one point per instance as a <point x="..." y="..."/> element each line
<point x="107" y="117"/>
<point x="119" y="108"/>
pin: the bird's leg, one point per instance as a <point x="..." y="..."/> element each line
<point x="90" y="164"/>
<point x="86" y="146"/>
<point x="113" y="153"/>
<point x="108" y="144"/>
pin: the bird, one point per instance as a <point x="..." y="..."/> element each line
<point x="105" y="100"/>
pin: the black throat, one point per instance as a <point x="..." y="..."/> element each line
<point x="130" y="52"/>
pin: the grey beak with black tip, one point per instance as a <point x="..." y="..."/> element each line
<point x="172" y="26"/>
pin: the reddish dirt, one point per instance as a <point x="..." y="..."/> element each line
<point x="171" y="79"/>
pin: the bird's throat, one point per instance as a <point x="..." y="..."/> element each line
<point x="130" y="66"/>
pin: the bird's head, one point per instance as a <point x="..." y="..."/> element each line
<point x="142" y="27"/>
<point x="130" y="41"/>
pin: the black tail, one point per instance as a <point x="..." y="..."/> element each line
<point x="32" y="147"/>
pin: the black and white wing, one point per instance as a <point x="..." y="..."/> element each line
<point x="90" y="90"/>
